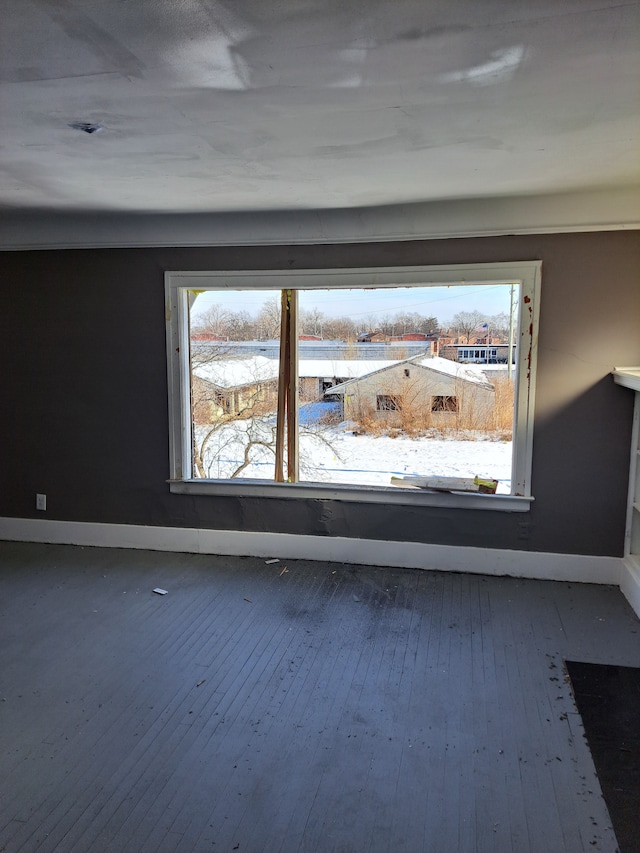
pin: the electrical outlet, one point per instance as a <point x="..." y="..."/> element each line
<point x="41" y="502"/>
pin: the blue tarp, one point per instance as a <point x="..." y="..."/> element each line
<point x="313" y="413"/>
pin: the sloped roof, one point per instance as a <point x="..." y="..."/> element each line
<point x="343" y="368"/>
<point x="462" y="372"/>
<point x="237" y="372"/>
<point x="468" y="372"/>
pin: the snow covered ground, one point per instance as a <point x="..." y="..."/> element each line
<point x="370" y="460"/>
<point x="336" y="455"/>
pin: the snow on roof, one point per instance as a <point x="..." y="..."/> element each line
<point x="465" y="372"/>
<point x="341" y="368"/>
<point x="237" y="372"/>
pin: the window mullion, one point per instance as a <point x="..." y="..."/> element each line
<point x="292" y="391"/>
<point x="288" y="389"/>
<point x="282" y="387"/>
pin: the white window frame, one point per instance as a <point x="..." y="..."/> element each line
<point x="527" y="274"/>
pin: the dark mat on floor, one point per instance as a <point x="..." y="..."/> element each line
<point x="608" y="698"/>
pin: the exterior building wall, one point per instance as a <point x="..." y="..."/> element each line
<point x="309" y="388"/>
<point x="211" y="403"/>
<point x="415" y="394"/>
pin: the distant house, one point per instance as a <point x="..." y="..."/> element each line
<point x="414" y="344"/>
<point x="318" y="376"/>
<point x="205" y="338"/>
<point x="425" y="391"/>
<point x="446" y="339"/>
<point x="378" y="337"/>
<point x="243" y="387"/>
<point x="478" y="353"/>
<point x="412" y="336"/>
<point x="372" y="337"/>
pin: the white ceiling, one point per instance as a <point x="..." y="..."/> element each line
<point x="305" y="108"/>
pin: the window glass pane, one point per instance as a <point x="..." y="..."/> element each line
<point x="372" y="361"/>
<point x="385" y="389"/>
<point x="234" y="349"/>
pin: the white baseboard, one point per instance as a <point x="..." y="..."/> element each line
<point x="373" y="552"/>
<point x="630" y="582"/>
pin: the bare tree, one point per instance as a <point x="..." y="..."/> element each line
<point x="369" y="324"/>
<point x="268" y="320"/>
<point x="240" y="326"/>
<point x="405" y="322"/>
<point x="311" y="321"/>
<point x="467" y="322"/>
<point x="224" y="323"/>
<point x="234" y="426"/>
<point x="230" y="422"/>
<point x="499" y="325"/>
<point x="214" y="320"/>
<point x="386" y="325"/>
<point x="339" y="328"/>
<point x="427" y="325"/>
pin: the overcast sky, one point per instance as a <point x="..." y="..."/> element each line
<point x="439" y="302"/>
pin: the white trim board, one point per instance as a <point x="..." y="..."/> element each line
<point x="630" y="583"/>
<point x="373" y="552"/>
<point x="548" y="213"/>
<point x="524" y="277"/>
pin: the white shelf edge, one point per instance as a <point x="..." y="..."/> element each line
<point x="629" y="377"/>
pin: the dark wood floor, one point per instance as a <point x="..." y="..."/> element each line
<point x="322" y="708"/>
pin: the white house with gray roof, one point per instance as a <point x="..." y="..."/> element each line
<point x="433" y="391"/>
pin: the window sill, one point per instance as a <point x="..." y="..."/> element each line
<point x="353" y="494"/>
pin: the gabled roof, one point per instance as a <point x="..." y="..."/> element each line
<point x="462" y="372"/>
<point x="237" y="372"/>
<point x="468" y="372"/>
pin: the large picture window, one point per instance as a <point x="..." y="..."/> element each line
<point x="352" y="384"/>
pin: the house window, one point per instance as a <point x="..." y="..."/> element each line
<point x="246" y="349"/>
<point x="387" y="403"/>
<point x="444" y="403"/>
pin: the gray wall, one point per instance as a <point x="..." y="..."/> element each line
<point x="84" y="414"/>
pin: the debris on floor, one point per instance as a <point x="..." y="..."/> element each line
<point x="272" y="560"/>
<point x="160" y="591"/>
